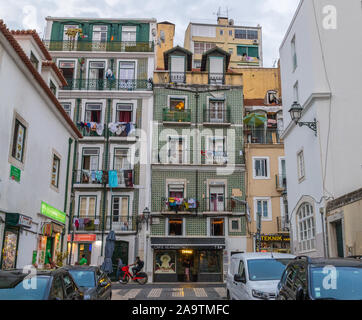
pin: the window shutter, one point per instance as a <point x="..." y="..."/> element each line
<point x="241" y="50"/>
<point x="253" y="52"/>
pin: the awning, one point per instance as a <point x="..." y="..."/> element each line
<point x="18" y="220"/>
<point x="184" y="243"/>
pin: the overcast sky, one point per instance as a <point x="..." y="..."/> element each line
<point x="273" y="15"/>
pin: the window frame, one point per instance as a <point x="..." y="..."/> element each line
<point x="87" y="205"/>
<point x="211" y="227"/>
<point x="34" y="60"/>
<point x="301" y="165"/>
<point x="269" y="208"/>
<point x="267" y="167"/>
<point x="55" y="156"/>
<point x="306" y="227"/>
<point x="182" y="227"/>
<point x="231" y="229"/>
<point x="12" y="159"/>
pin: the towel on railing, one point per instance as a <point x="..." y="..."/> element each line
<point x="112" y="179"/>
<point x="100" y="128"/>
<point x="192" y="203"/>
<point x="99" y="175"/>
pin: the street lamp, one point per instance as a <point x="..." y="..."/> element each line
<point x="296" y="113"/>
<point x="146" y="215"/>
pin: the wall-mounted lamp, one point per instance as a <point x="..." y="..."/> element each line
<point x="296" y="113"/>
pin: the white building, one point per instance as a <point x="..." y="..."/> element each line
<point x="321" y="69"/>
<point x="35" y="139"/>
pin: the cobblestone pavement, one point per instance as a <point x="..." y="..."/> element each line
<point x="169" y="291"/>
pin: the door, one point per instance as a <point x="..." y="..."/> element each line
<point x="49" y="250"/>
<point x="96" y="75"/>
<point x="217" y="199"/>
<point x="239" y="292"/>
<point x="127" y="72"/>
<point x="86" y="249"/>
<point x="217" y="111"/>
<point x="120" y="251"/>
<point x="339" y="238"/>
<point x="177" y="69"/>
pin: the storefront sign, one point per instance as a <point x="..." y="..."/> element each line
<point x="57" y="228"/>
<point x="270" y="238"/>
<point x="15" y="173"/>
<point x="52" y="213"/>
<point x="25" y="221"/>
<point x="83" y="237"/>
<point x="165" y="262"/>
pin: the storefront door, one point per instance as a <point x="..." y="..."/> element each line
<point x="120" y="251"/>
<point x="185" y="258"/>
<point x="10" y="247"/>
<point x="49" y="250"/>
<point x="86" y="249"/>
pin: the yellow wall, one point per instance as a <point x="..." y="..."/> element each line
<point x="169" y="30"/>
<point x="263" y="188"/>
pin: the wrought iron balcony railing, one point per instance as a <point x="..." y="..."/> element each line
<point x="217" y="116"/>
<point x="222" y="204"/>
<point x="121" y="223"/>
<point x="281" y="182"/>
<point x="125" y="177"/>
<point x="111" y="222"/>
<point x="283" y="224"/>
<point x="110" y="46"/>
<point x="108" y="84"/>
<point x="216" y="78"/>
<point x="176" y="116"/>
<point x="89" y="131"/>
<point x="169" y="205"/>
<point x="178" y="77"/>
<point x="263" y="136"/>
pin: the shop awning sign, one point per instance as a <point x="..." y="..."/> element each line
<point x="83" y="237"/>
<point x="270" y="238"/>
<point x="52" y="213"/>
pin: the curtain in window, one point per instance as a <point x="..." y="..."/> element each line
<point x="125" y="116"/>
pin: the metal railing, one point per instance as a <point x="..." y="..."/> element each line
<point x="89" y="132"/>
<point x="281" y="182"/>
<point x="283" y="224"/>
<point x="216" y="116"/>
<point x="85" y="223"/>
<point x="181" y="206"/>
<point x="216" y="78"/>
<point x="176" y="116"/>
<point x="263" y="136"/>
<point x="110" y="46"/>
<point x="108" y="84"/>
<point x="221" y="204"/>
<point x="111" y="222"/>
<point x="178" y="77"/>
<point x="125" y="177"/>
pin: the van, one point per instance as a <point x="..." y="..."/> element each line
<point x="255" y="276"/>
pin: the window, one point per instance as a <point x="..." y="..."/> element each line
<point x="240" y="34"/>
<point x="67" y="68"/>
<point x="176" y="190"/>
<point x="127" y="74"/>
<point x="52" y="87"/>
<point x="210" y="261"/>
<point x="129" y="33"/>
<point x="67" y="106"/>
<point x="296" y="91"/>
<point x="177" y="104"/>
<point x="300" y="163"/>
<point x="252" y="34"/>
<point x="18" y="141"/>
<point x="197" y="64"/>
<point x="55" y="171"/>
<point x="261" y="168"/>
<point x="248" y="51"/>
<point x="96" y="74"/>
<point x="230" y="32"/>
<point x="120" y="212"/>
<point x="124" y="112"/>
<point x="241" y="269"/>
<point x="271" y="97"/>
<point x="231" y="50"/>
<point x="100" y="33"/>
<point x="216" y="150"/>
<point x="90" y="159"/>
<point x="175" y="227"/>
<point x="121" y="159"/>
<point x="294" y="54"/>
<point x="217" y="227"/>
<point x="87" y="206"/>
<point x="178" y="69"/>
<point x="216" y="70"/>
<point x="177" y="150"/>
<point x="34" y="61"/>
<point x="69" y="286"/>
<point x="216" y="111"/>
<point x="201" y="47"/>
<point x="57" y="289"/>
<point x="263" y="208"/>
<point x="217" y="198"/>
<point x="306" y="227"/>
<point x="93" y="112"/>
<point x="221" y="32"/>
<point x="66" y="28"/>
<point x="234" y="225"/>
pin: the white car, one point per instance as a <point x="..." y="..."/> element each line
<point x="255" y="276"/>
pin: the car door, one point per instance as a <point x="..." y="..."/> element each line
<point x="288" y="288"/>
<point x="231" y="284"/>
<point x="70" y="288"/>
<point x="239" y="287"/>
<point x="57" y="290"/>
<point x="300" y="280"/>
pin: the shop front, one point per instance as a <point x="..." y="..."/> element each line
<point x="13" y="223"/>
<point x="275" y="243"/>
<point x="188" y="259"/>
<point x="82" y="244"/>
<point x="50" y="235"/>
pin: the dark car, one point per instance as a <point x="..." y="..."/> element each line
<point x="92" y="281"/>
<point x="55" y="284"/>
<point x="308" y="278"/>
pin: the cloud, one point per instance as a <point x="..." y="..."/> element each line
<point x="30" y="18"/>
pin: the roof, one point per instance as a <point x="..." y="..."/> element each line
<point x="35" y="36"/>
<point x="20" y="52"/>
<point x="101" y="19"/>
<point x="178" y="48"/>
<point x="212" y="51"/>
<point x="218" y="25"/>
<point x="166" y="22"/>
<point x="59" y="74"/>
<point x="263" y="255"/>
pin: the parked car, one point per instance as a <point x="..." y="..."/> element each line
<point x="308" y="278"/>
<point x="55" y="284"/>
<point x="255" y="276"/>
<point x="92" y="281"/>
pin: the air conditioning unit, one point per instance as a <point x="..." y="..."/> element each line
<point x="256" y="42"/>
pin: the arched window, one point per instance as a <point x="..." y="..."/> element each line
<point x="306" y="227"/>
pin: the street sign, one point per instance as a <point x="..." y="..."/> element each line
<point x="52" y="213"/>
<point x="15" y="173"/>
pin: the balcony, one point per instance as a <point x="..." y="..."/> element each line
<point x="109" y="46"/>
<point x="176" y="116"/>
<point x="116" y="223"/>
<point x="90" y="132"/>
<point x="263" y="136"/>
<point x="281" y="182"/>
<point x="181" y="206"/>
<point x="214" y="157"/>
<point x="220" y="204"/>
<point x="100" y="177"/>
<point x="108" y="84"/>
<point x="216" y="117"/>
<point x="178" y="77"/>
<point x="283" y="224"/>
<point x="217" y="78"/>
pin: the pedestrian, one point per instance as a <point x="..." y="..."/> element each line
<point x="187" y="266"/>
<point x="119" y="268"/>
<point x="83" y="260"/>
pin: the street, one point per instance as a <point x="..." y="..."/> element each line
<point x="169" y="291"/>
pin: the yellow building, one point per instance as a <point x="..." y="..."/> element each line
<point x="165" y="37"/>
<point x="243" y="43"/>
<point x="265" y="162"/>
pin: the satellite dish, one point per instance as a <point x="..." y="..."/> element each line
<point x="154" y="32"/>
<point x="162" y="36"/>
<point x="231" y="22"/>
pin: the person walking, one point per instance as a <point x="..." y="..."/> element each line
<point x="83" y="260"/>
<point x="187" y="266"/>
<point x="119" y="268"/>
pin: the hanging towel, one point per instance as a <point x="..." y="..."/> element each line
<point x="99" y="128"/>
<point x="112" y="127"/>
<point x="192" y="203"/>
<point x="99" y="175"/>
<point x="112" y="179"/>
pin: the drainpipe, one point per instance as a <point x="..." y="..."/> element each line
<point x="197" y="95"/>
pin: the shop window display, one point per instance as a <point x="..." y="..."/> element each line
<point x="210" y="261"/>
<point x="9" y="250"/>
<point x="165" y="262"/>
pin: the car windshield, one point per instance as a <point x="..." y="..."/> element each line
<point x="342" y="283"/>
<point x="83" y="278"/>
<point x="33" y="288"/>
<point x="266" y="269"/>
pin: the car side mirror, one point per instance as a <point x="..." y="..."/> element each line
<point x="239" y="278"/>
<point x="299" y="294"/>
